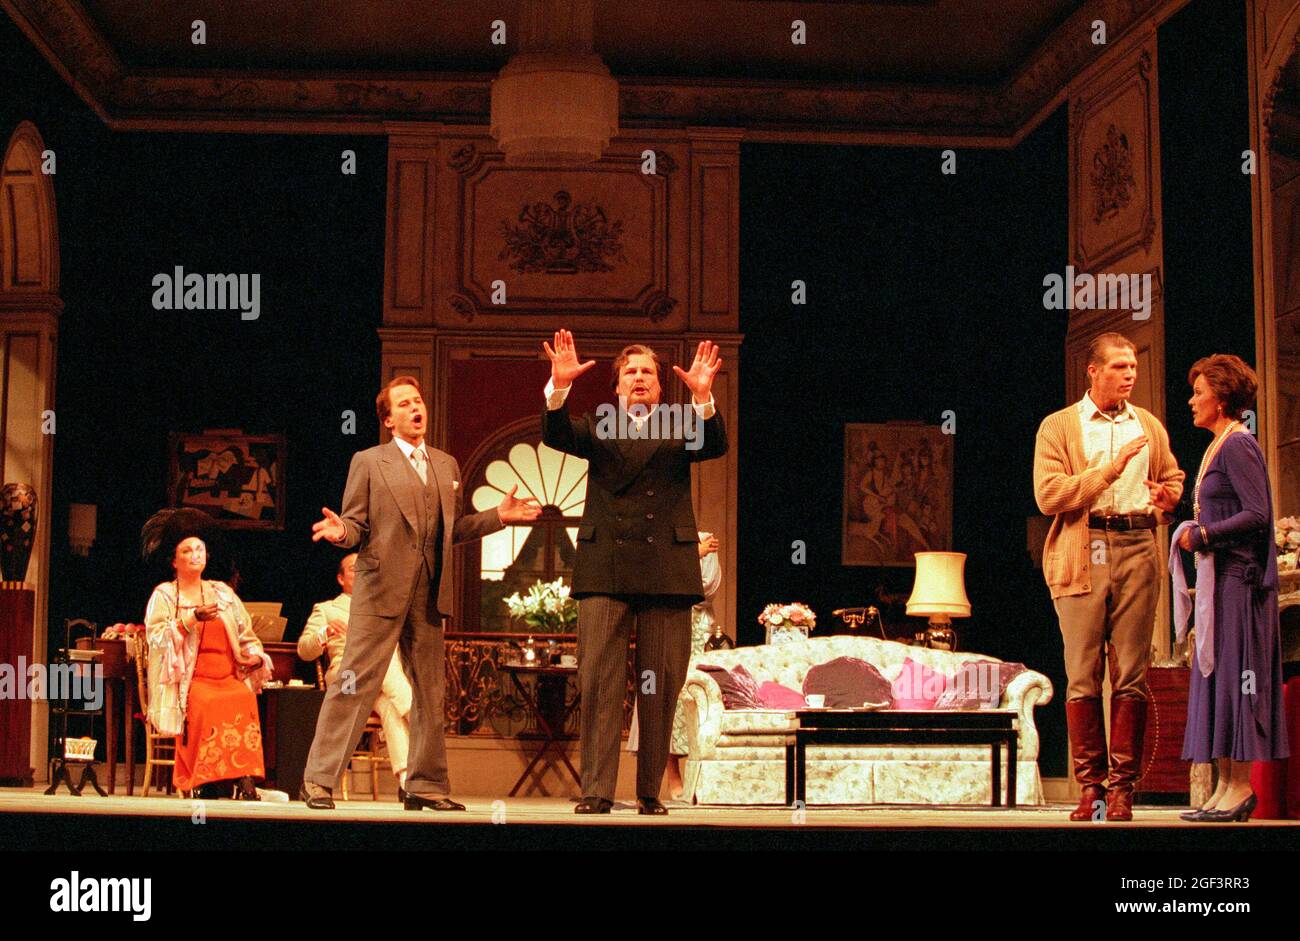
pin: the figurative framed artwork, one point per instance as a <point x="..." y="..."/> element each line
<point x="897" y="493"/>
<point x="236" y="478"/>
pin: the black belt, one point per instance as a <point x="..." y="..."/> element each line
<point x="1121" y="522"/>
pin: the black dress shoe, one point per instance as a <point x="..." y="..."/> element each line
<point x="316" y="797"/>
<point x="415" y="802"/>
<point x="650" y="805"/>
<point x="593" y="805"/>
<point x="1239" y="814"/>
<point x="401" y="794"/>
<point x="246" y="790"/>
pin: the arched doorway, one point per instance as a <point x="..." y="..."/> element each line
<point x="29" y="308"/>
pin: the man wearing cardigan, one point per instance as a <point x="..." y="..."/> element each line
<point x="1104" y="472"/>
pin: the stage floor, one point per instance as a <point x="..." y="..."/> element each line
<point x="137" y="823"/>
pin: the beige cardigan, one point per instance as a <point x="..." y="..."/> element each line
<point x="1065" y="487"/>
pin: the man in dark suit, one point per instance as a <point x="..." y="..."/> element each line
<point x="401" y="509"/>
<point x="637" y="560"/>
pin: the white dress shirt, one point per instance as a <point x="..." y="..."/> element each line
<point x="555" y="398"/>
<point x="1103" y="436"/>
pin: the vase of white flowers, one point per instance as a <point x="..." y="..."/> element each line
<point x="545" y="609"/>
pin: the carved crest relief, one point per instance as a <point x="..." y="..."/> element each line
<point x="1112" y="178"/>
<point x="562" y="237"/>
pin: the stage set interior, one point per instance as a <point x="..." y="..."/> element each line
<point x="861" y="213"/>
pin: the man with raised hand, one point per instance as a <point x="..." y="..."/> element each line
<point x="637" y="561"/>
<point x="402" y="511"/>
<point x="1104" y="472"/>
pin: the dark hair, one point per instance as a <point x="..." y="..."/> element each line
<point x="1232" y="381"/>
<point x="635" y="349"/>
<point x="1106" y="341"/>
<point x="341" y="561"/>
<point x="383" y="404"/>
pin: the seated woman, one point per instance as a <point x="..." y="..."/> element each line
<point x="205" y="666"/>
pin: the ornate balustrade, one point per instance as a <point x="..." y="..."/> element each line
<point x="481" y="699"/>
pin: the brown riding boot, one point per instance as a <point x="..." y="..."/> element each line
<point x="1128" y="725"/>
<point x="1088" y="747"/>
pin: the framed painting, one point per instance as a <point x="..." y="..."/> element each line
<point x="897" y="493"/>
<point x="237" y="478"/>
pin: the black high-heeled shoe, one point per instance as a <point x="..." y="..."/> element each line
<point x="1195" y="815"/>
<point x="1239" y="814"/>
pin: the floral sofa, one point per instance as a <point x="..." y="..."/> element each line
<point x="737" y="756"/>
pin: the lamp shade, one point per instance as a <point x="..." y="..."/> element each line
<point x="82" y="518"/>
<point x="940" y="586"/>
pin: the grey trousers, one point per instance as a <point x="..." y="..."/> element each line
<point x="1113" y="623"/>
<point x="418" y="635"/>
<point x="663" y="651"/>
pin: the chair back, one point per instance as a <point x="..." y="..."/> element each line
<point x="140" y="646"/>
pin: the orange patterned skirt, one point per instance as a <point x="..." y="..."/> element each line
<point x="223" y="738"/>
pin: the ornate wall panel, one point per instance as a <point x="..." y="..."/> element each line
<point x="1273" y="38"/>
<point x="1115" y="224"/>
<point x="613" y="254"/>
<point x="594" y="244"/>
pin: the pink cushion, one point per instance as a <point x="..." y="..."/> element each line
<point x="775" y="696"/>
<point x="917" y="686"/>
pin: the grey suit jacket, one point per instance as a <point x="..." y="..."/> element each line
<point x="381" y="519"/>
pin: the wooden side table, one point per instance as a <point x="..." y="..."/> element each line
<point x="553" y="737"/>
<point x="1163" y="768"/>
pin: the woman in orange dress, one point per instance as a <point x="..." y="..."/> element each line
<point x="205" y="665"/>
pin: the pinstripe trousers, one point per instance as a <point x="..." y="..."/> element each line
<point x="663" y="651"/>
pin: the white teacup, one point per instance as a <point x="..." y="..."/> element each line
<point x="815" y="700"/>
<point x="568" y="660"/>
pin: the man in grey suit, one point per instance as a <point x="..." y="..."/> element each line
<point x="401" y="509"/>
<point x="638" y="560"/>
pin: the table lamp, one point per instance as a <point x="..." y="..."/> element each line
<point x="940" y="592"/>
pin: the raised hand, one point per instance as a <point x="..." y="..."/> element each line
<point x="331" y="527"/>
<point x="515" y="510"/>
<point x="565" y="366"/>
<point x="1127" y="453"/>
<point x="705" y="366"/>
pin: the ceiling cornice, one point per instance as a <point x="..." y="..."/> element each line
<point x="768" y="111"/>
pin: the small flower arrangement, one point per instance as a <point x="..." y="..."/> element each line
<point x="546" y="607"/>
<point x="1286" y="532"/>
<point x="787" y="622"/>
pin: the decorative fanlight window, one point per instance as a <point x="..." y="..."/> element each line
<point x="513" y="559"/>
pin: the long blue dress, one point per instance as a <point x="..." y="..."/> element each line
<point x="1237" y="711"/>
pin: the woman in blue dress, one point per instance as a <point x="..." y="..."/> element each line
<point x="1235" y="713"/>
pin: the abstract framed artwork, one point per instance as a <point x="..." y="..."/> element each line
<point x="237" y="478"/>
<point x="897" y="493"/>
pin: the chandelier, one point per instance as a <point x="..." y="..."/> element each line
<point x="555" y="101"/>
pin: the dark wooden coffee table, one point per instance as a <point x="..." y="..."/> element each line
<point x="993" y="727"/>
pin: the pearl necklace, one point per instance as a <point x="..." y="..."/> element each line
<point x="1212" y="450"/>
